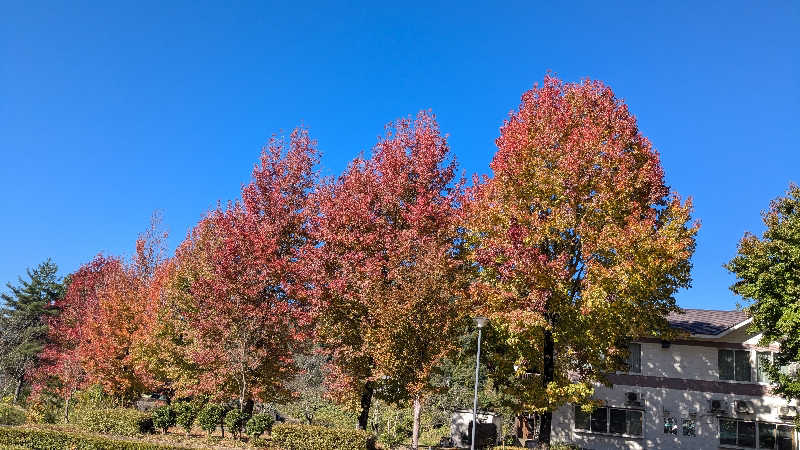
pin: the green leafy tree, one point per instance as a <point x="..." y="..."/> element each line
<point x="767" y="270"/>
<point x="23" y="321"/>
<point x="164" y="418"/>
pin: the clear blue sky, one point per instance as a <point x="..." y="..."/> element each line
<point x="109" y="112"/>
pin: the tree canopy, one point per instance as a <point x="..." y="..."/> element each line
<point x="767" y="270"/>
<point x="23" y="320"/>
<point x="579" y="241"/>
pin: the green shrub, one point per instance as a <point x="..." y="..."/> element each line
<point x="310" y="437"/>
<point x="163" y="418"/>
<point x="46" y="439"/>
<point x="121" y="421"/>
<point x="186" y="414"/>
<point x="11" y="414"/>
<point x="209" y="417"/>
<point x="235" y="421"/>
<point x="259" y="424"/>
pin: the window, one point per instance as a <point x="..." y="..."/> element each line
<point x="727" y="432"/>
<point x="742" y="433"/>
<point x="747" y="434"/>
<point x="609" y="420"/>
<point x="635" y="357"/>
<point x="600" y="420"/>
<point x="734" y="365"/>
<point x="581" y="419"/>
<point x="766" y="435"/>
<point x="619" y="422"/>
<point x="786" y="438"/>
<point x="689" y="425"/>
<point x="634" y="422"/>
<point x="670" y="423"/>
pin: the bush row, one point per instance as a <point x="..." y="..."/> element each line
<point x="310" y="437"/>
<point x="46" y="439"/>
<point x="11" y="414"/>
<point x="120" y="421"/>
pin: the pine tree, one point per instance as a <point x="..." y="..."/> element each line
<point x="23" y="318"/>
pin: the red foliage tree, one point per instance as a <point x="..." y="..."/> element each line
<point x="388" y="285"/>
<point x="234" y="296"/>
<point x="62" y="366"/>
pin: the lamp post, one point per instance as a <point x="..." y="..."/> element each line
<point x="480" y="322"/>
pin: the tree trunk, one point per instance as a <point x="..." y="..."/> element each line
<point x="415" y="428"/>
<point x="366" y="402"/>
<point x="66" y="409"/>
<point x="18" y="388"/>
<point x="548" y="376"/>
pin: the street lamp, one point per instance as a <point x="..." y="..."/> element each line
<point x="480" y="322"/>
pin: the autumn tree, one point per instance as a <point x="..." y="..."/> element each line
<point x="767" y="270"/>
<point x="62" y="367"/>
<point x="232" y="309"/>
<point x="580" y="243"/>
<point x="23" y="321"/>
<point x="92" y="340"/>
<point x="390" y="285"/>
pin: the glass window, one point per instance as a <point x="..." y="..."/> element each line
<point x="761" y="370"/>
<point x="600" y="420"/>
<point x="689" y="426"/>
<point x="786" y="438"/>
<point x="766" y="435"/>
<point x="670" y="425"/>
<point x="742" y="367"/>
<point x="635" y="357"/>
<point x="581" y="419"/>
<point x="747" y="434"/>
<point x="726" y="364"/>
<point x="634" y="422"/>
<point x="618" y="422"/>
<point x="727" y="432"/>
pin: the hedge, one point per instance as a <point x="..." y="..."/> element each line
<point x="11" y="414"/>
<point x="310" y="437"/>
<point x="45" y="439"/>
<point x="121" y="421"/>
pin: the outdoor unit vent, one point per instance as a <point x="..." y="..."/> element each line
<point x="632" y="399"/>
<point x="717" y="406"/>
<point x="789" y="412"/>
<point x="744" y="407"/>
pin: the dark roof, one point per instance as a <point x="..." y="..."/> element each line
<point x="705" y="321"/>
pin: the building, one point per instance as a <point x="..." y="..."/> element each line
<point x="706" y="391"/>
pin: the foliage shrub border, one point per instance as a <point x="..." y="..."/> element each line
<point x="122" y="421"/>
<point x="42" y="438"/>
<point x="312" y="437"/>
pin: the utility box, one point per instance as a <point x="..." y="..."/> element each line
<point x="488" y="429"/>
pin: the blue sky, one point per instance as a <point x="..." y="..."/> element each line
<point x="108" y="112"/>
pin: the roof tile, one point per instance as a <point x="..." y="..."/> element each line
<point x="704" y="321"/>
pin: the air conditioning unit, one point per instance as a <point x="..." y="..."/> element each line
<point x="632" y="399"/>
<point x="789" y="412"/>
<point x="717" y="406"/>
<point x="743" y="407"/>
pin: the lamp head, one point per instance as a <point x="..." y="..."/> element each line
<point x="481" y="321"/>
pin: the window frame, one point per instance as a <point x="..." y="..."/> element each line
<point x="735" y="375"/>
<point x="758" y="424"/>
<point x="630" y="353"/>
<point x="629" y="412"/>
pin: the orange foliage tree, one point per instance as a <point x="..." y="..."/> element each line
<point x="580" y="243"/>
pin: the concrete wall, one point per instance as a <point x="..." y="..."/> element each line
<point x="679" y="404"/>
<point x="683" y="362"/>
